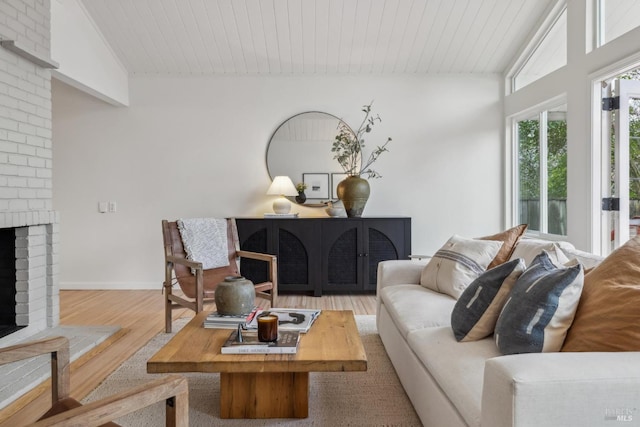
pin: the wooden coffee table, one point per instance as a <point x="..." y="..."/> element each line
<point x="259" y="385"/>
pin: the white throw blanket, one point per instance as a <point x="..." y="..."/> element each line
<point x="205" y="241"/>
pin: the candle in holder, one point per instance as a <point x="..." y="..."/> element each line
<point x="268" y="328"/>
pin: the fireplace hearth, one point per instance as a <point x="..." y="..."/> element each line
<point x="8" y="330"/>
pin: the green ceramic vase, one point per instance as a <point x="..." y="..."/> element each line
<point x="354" y="192"/>
<point x="235" y="296"/>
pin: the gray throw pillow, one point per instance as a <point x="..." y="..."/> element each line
<point x="476" y="312"/>
<point x="540" y="308"/>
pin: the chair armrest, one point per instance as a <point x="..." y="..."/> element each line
<point x="31" y="349"/>
<point x="577" y="389"/>
<point x="172" y="388"/>
<point x="273" y="271"/>
<point x="58" y="348"/>
<point x="184" y="261"/>
<point x="257" y="256"/>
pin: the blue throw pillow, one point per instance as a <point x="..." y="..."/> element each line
<point x="540" y="308"/>
<point x="475" y="314"/>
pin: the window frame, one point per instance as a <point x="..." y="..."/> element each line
<point x="598" y="22"/>
<point x="534" y="42"/>
<point x="541" y="113"/>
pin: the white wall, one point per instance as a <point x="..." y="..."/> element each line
<point x="196" y="147"/>
<point x="86" y="59"/>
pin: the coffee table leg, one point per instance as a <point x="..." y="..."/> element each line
<point x="264" y="395"/>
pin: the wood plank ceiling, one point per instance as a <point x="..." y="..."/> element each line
<point x="187" y="37"/>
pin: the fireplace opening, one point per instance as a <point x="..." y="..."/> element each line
<point x="8" y="282"/>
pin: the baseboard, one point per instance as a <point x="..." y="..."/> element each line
<point x="110" y="285"/>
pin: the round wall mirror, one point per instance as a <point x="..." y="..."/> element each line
<point x="301" y="149"/>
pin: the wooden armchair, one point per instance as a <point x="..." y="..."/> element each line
<point x="66" y="411"/>
<point x="199" y="288"/>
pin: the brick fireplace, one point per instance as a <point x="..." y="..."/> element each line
<point x="26" y="164"/>
<point x="29" y="292"/>
<point x="8" y="323"/>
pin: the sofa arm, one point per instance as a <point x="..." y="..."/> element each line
<point x="561" y="389"/>
<point x="399" y="272"/>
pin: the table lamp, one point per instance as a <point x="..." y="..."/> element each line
<point x="282" y="186"/>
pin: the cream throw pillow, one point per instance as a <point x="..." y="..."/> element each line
<point x="458" y="263"/>
<point x="528" y="249"/>
<point x="588" y="260"/>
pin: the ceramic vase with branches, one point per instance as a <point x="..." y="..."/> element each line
<point x="348" y="147"/>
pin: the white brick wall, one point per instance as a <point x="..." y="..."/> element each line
<point x="25" y="109"/>
<point x="32" y="296"/>
<point x="26" y="163"/>
<point x="53" y="265"/>
<point x="28" y="22"/>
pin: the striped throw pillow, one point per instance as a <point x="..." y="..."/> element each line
<point x="458" y="263"/>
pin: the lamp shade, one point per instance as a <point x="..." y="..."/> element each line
<point x="282" y="186"/>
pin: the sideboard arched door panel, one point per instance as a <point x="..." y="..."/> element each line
<point x="342" y="256"/>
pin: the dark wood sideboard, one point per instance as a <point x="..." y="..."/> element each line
<point x="324" y="255"/>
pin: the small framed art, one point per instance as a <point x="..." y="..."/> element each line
<point x="335" y="180"/>
<point x="317" y="185"/>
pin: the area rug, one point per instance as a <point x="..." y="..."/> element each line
<point x="371" y="398"/>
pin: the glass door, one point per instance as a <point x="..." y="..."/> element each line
<point x="621" y="162"/>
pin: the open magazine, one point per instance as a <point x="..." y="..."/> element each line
<point x="289" y="319"/>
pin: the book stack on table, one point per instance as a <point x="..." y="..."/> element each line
<point x="216" y="320"/>
<point x="287" y="343"/>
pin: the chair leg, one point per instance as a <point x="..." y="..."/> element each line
<point x="167" y="287"/>
<point x="273" y="273"/>
<point x="168" y="308"/>
<point x="199" y="291"/>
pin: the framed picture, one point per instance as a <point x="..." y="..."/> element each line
<point x="317" y="185"/>
<point x="335" y="180"/>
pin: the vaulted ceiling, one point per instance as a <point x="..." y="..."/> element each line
<point x="193" y="37"/>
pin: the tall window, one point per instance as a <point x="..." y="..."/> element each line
<point x="542" y="171"/>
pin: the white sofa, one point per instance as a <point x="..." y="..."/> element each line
<point x="454" y="383"/>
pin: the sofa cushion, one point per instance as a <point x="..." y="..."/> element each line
<point x="476" y="311"/>
<point x="528" y="249"/>
<point x="540" y="308"/>
<point x="457" y="367"/>
<point x="457" y="264"/>
<point x="415" y="307"/>
<point x="608" y="316"/>
<point x="509" y="238"/>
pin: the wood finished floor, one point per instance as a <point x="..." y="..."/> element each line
<point x="140" y="315"/>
